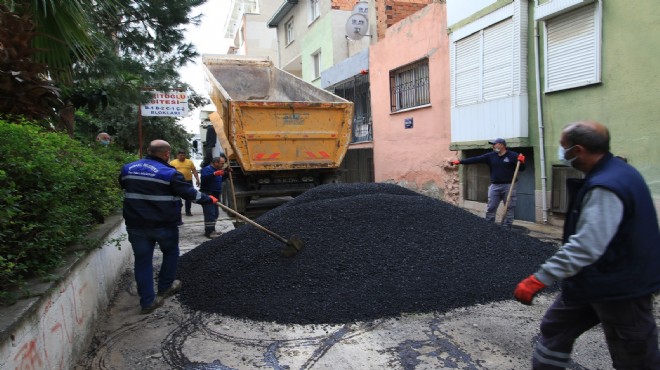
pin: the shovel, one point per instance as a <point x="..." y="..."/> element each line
<point x="508" y="197"/>
<point x="293" y="244"/>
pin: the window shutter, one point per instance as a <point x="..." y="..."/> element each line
<point x="498" y="60"/>
<point x="468" y="71"/>
<point x="572" y="49"/>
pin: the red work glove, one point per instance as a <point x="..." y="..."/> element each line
<point x="218" y="173"/>
<point x="454" y="162"/>
<point x="527" y="289"/>
<point x="521" y="158"/>
<point x="214" y="199"/>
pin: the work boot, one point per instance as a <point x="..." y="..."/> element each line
<point x="176" y="286"/>
<point x="208" y="234"/>
<point x="189" y="214"/>
<point x="154" y="305"/>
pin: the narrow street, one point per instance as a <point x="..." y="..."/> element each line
<point x="499" y="335"/>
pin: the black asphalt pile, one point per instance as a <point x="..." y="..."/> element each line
<point x="371" y="251"/>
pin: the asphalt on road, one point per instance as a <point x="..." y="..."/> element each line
<point x="495" y="335"/>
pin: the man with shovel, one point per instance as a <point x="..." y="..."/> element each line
<point x="152" y="192"/>
<point x="503" y="164"/>
<point x="211" y="184"/>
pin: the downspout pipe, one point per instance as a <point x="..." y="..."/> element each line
<point x="539" y="112"/>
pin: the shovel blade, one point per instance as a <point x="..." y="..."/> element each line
<point x="293" y="246"/>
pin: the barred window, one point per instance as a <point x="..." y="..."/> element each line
<point x="409" y="86"/>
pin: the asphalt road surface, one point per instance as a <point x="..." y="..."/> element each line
<point x="495" y="336"/>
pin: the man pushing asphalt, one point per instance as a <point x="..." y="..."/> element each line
<point x="152" y="192"/>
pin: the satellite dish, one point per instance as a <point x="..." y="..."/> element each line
<point x="362" y="7"/>
<point x="357" y="26"/>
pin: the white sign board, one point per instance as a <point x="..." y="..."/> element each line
<point x="166" y="104"/>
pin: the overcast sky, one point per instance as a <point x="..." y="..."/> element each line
<point x="208" y="39"/>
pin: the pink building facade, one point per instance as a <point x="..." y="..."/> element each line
<point x="410" y="97"/>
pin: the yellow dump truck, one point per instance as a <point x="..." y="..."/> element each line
<point x="281" y="134"/>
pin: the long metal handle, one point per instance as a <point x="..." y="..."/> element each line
<point x="253" y="223"/>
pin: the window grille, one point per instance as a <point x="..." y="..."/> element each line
<point x="409" y="86"/>
<point x="356" y="90"/>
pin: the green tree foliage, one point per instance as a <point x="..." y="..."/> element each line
<point x="148" y="48"/>
<point x="102" y="55"/>
<point x="23" y="89"/>
<point x="53" y="191"/>
<point x="66" y="30"/>
<point x="88" y="62"/>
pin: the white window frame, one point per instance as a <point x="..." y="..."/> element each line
<point x="314" y="10"/>
<point x="289" y="33"/>
<point x="579" y="68"/>
<point x="316" y="64"/>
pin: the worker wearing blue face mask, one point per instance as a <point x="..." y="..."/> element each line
<point x="609" y="264"/>
<point x="502" y="163"/>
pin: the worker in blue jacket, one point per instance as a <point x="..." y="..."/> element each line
<point x="152" y="192"/>
<point x="211" y="184"/>
<point x="502" y="163"/>
<point x="609" y="264"/>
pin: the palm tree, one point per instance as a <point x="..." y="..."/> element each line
<point x="65" y="32"/>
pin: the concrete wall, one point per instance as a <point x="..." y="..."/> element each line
<point x="259" y="39"/>
<point x="289" y="54"/>
<point x="627" y="98"/>
<point x="415" y="157"/>
<point x="389" y="12"/>
<point x="327" y="34"/>
<point x="51" y="331"/>
<point x="345" y="69"/>
<point x="318" y="37"/>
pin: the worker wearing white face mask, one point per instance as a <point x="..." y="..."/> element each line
<point x="609" y="264"/>
<point x="561" y="155"/>
<point x="502" y="164"/>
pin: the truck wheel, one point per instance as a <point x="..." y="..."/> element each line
<point x="329" y="179"/>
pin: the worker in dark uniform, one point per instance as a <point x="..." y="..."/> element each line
<point x="211" y="184"/>
<point x="152" y="191"/>
<point x="502" y="163"/>
<point x="609" y="264"/>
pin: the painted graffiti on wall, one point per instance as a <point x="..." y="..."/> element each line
<point x="59" y="322"/>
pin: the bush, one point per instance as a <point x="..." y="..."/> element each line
<point x="53" y="191"/>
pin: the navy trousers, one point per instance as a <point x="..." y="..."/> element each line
<point x="629" y="326"/>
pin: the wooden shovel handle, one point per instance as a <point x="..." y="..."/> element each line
<point x="508" y="197"/>
<point x="253" y="223"/>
